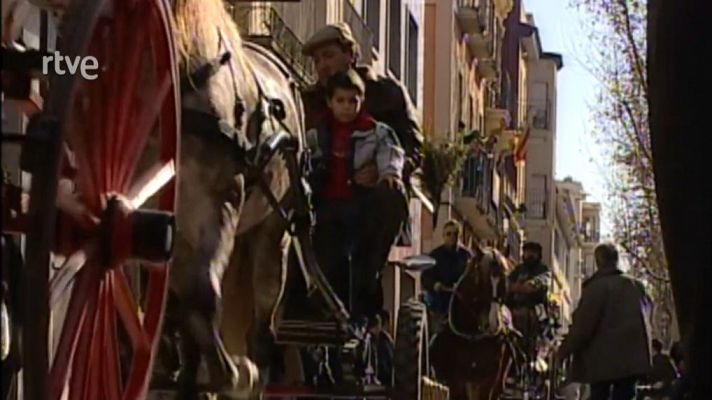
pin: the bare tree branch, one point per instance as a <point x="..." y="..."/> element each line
<point x="633" y="49"/>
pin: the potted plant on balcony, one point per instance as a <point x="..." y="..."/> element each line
<point x="442" y="162"/>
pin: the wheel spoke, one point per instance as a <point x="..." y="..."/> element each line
<point x="87" y="185"/>
<point x="146" y="121"/>
<point x="96" y="351"/>
<point x="66" y="273"/>
<point x="130" y="72"/>
<point x="112" y="366"/>
<point x="128" y="309"/>
<point x="155" y="302"/>
<point x="74" y="320"/>
<point x="151" y="183"/>
<point x="80" y="358"/>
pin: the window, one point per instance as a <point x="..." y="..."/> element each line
<point x="536" y="196"/>
<point x="412" y="59"/>
<point x="373" y="20"/>
<point x="394" y="37"/>
<point x="539" y="105"/>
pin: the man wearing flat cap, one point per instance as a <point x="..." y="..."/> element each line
<point x="384" y="211"/>
<point x="334" y="49"/>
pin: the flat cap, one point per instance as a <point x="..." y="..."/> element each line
<point x="339" y="32"/>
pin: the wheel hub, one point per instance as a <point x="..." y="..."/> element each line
<point x="143" y="235"/>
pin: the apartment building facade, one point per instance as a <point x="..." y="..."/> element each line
<point x="461" y="53"/>
<point x="591" y="230"/>
<point x="470" y="106"/>
<point x="568" y="237"/>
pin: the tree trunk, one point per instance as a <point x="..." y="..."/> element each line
<point x="677" y="34"/>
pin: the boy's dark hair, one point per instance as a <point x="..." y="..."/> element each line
<point x="348" y="80"/>
<point x="533" y="246"/>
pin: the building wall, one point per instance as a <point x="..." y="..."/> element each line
<point x="591" y="227"/>
<point x="541" y="158"/>
<point x="454" y="92"/>
<point x="570" y="200"/>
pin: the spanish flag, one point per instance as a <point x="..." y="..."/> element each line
<point x="520" y="152"/>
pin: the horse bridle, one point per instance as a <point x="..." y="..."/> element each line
<point x="481" y="332"/>
<point x="252" y="158"/>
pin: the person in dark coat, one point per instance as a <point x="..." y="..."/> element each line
<point x="439" y="282"/>
<point x="529" y="285"/>
<point x="610" y="335"/>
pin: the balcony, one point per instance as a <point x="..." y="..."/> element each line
<point x="470" y="16"/>
<point x="506" y="140"/>
<point x="263" y="25"/>
<point x="474" y="200"/>
<point x="496" y="120"/>
<point x="362" y="33"/>
<point x="537" y="204"/>
<point x="487" y="69"/>
<point x="540" y="114"/>
<point x="514" y="241"/>
<point x="503" y="7"/>
<point x="481" y="45"/>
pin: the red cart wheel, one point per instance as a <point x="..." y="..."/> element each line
<point x="119" y="157"/>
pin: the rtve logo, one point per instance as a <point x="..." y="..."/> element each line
<point x="88" y="66"/>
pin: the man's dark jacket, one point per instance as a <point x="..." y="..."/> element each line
<point x="386" y="101"/>
<point x="449" y="267"/>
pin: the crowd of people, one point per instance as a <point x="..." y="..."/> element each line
<point x="609" y="341"/>
<point x="364" y="142"/>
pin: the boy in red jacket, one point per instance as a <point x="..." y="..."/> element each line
<point x="356" y="224"/>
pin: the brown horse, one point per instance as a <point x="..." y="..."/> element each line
<point x="229" y="262"/>
<point x="472" y="352"/>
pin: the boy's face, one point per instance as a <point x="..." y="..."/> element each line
<point x="345" y="104"/>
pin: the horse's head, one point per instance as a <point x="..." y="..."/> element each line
<point x="229" y="102"/>
<point x="488" y="273"/>
<point x="482" y="285"/>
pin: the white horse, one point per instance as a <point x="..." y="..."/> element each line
<point x="229" y="264"/>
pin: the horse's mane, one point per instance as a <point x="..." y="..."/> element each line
<point x="200" y="27"/>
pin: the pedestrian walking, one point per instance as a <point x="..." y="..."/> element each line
<point x="610" y="335"/>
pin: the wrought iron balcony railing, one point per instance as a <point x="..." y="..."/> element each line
<point x="537" y="204"/>
<point x="261" y="23"/>
<point x="477" y="182"/>
<point x="513" y="243"/>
